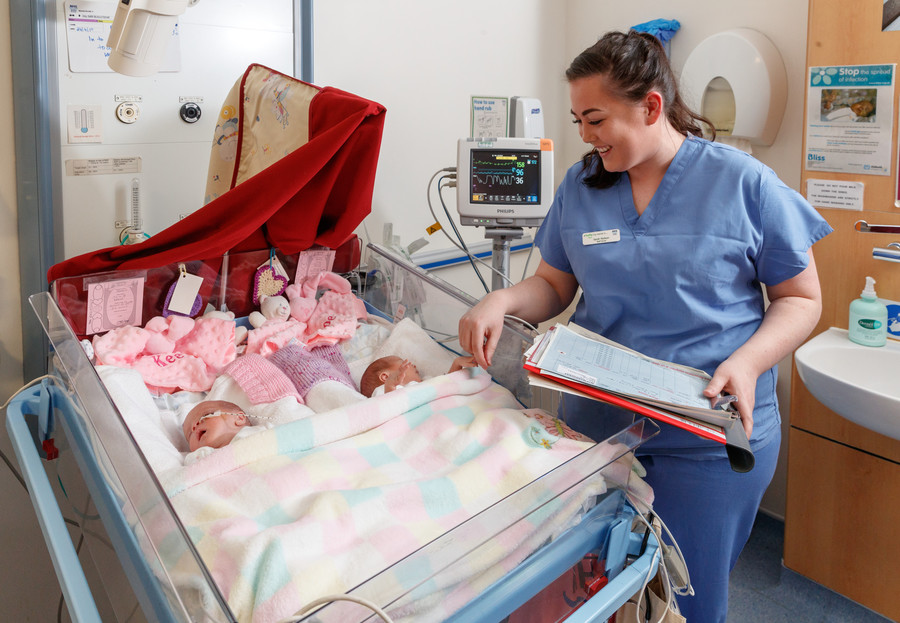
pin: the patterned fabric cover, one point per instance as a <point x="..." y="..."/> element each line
<point x="275" y="122"/>
<point x="302" y="173"/>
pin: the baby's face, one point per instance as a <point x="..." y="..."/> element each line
<point x="862" y="108"/>
<point x="213" y="423"/>
<point x="400" y="372"/>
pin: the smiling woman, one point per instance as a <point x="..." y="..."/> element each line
<point x="609" y="78"/>
<point x="701" y="228"/>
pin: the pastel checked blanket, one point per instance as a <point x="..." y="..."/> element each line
<point x="317" y="506"/>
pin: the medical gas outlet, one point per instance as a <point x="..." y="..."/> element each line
<point x="128" y="112"/>
<point x="190" y="112"/>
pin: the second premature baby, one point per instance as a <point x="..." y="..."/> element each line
<point x="386" y="374"/>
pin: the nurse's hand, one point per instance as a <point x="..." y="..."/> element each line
<point x="480" y="328"/>
<point x="736" y="378"/>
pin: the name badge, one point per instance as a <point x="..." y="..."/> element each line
<point x="600" y="237"/>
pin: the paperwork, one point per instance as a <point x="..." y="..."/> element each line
<point x="575" y="360"/>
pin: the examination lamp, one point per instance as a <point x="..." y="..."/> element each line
<point x="140" y="31"/>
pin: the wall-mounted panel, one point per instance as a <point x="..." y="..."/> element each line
<point x="216" y="41"/>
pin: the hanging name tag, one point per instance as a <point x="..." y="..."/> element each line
<point x="600" y="237"/>
<point x="184" y="295"/>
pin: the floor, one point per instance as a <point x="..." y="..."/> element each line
<point x="763" y="591"/>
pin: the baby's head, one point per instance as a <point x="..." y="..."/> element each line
<point x="390" y="371"/>
<point x="213" y="423"/>
<point x="862" y="108"/>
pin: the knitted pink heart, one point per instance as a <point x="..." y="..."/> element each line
<point x="267" y="282"/>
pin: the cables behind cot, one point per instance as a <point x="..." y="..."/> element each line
<point x="330" y="598"/>
<point x="461" y="245"/>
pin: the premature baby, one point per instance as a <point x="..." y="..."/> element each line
<point x="213" y="424"/>
<point x="386" y="374"/>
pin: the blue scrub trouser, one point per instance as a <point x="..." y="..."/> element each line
<point x="710" y="511"/>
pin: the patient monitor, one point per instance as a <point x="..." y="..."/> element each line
<point x="504" y="182"/>
<point x="140" y="31"/>
<point x="503" y="185"/>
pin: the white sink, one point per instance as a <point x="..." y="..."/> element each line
<point x="859" y="383"/>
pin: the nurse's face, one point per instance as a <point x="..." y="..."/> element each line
<point x="618" y="129"/>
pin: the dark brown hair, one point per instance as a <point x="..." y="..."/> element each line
<point x="635" y="63"/>
<point x="369" y="380"/>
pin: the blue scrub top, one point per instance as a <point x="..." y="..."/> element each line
<point x="683" y="281"/>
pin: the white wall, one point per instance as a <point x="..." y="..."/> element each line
<point x="422" y="60"/>
<point x="784" y="23"/>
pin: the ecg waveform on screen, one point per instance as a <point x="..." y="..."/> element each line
<point x="500" y="171"/>
<point x="496" y="179"/>
<point x="504" y="177"/>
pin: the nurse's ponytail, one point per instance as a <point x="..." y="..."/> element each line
<point x="634" y="63"/>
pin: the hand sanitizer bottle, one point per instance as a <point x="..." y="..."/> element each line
<point x="868" y="318"/>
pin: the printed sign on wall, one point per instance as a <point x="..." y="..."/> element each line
<point x="850" y="119"/>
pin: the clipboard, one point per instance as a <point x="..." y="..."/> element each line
<point x="731" y="434"/>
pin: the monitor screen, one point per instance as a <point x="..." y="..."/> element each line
<point x="505" y="176"/>
<point x="504" y="182"/>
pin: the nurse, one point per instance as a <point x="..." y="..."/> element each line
<point x="672" y="240"/>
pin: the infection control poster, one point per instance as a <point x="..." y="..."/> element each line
<point x="850" y="119"/>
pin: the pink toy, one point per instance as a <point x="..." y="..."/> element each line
<point x="271" y="308"/>
<point x="240" y="333"/>
<point x="303" y="297"/>
<point x="273" y="335"/>
<point x="301" y="307"/>
<point x="334" y="318"/>
<point x="121" y="346"/>
<point x="165" y="332"/>
<point x="212" y="341"/>
<point x="170" y="371"/>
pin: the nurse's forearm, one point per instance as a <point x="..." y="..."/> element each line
<point x="533" y="300"/>
<point x="787" y="323"/>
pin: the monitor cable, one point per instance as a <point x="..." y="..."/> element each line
<point x="461" y="244"/>
<point x="452" y="184"/>
<point x="331" y="598"/>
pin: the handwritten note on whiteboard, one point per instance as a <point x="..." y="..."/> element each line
<point x="88" y="23"/>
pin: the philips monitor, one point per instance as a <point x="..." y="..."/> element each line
<point x="504" y="182"/>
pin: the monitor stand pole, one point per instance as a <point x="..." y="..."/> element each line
<point x="502" y="236"/>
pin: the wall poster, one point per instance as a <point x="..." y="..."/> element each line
<point x="850" y="119"/>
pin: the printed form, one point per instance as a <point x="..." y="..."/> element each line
<point x="582" y="359"/>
